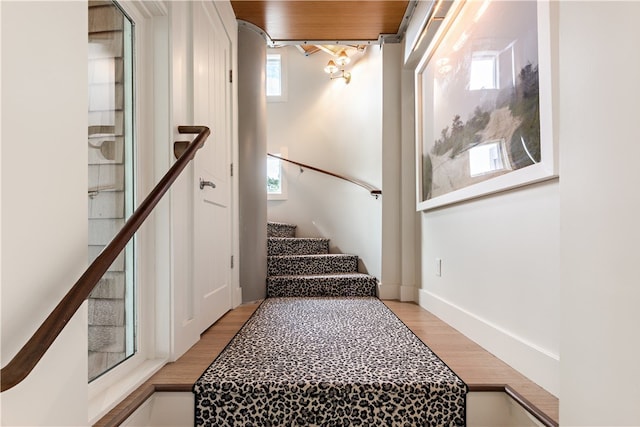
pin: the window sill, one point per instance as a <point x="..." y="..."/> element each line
<point x="276" y="196"/>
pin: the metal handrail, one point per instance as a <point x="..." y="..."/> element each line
<point x="370" y="188"/>
<point x="30" y="354"/>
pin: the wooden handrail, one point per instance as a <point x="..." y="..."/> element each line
<point x="30" y="354"/>
<point x="370" y="188"/>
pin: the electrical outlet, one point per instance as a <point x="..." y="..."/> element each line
<point x="438" y="267"/>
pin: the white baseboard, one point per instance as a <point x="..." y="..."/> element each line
<point x="398" y="292"/>
<point x="237" y="296"/>
<point x="408" y="293"/>
<point x="537" y="364"/>
<point x="388" y="291"/>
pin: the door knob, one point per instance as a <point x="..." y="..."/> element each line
<point x="204" y="183"/>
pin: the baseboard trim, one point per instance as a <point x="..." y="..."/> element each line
<point x="398" y="292"/>
<point x="237" y="297"/>
<point x="537" y="364"/>
<point x="388" y="291"/>
<point x="408" y="293"/>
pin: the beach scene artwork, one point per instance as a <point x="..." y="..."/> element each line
<point x="480" y="92"/>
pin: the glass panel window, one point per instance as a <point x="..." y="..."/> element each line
<point x="274" y="74"/>
<point x="274" y="176"/>
<point x="277" y="176"/>
<point x="111" y="182"/>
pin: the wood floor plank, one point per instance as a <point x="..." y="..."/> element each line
<point x="467" y="359"/>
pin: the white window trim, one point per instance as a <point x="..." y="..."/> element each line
<point x="284" y="76"/>
<point x="106" y="391"/>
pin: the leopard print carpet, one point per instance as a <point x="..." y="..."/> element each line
<point x="311" y="264"/>
<point x="280" y="229"/>
<point x="323" y="285"/>
<point x="328" y="362"/>
<point x="297" y="246"/>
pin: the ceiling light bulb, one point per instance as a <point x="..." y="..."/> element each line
<point x="343" y="59"/>
<point x="331" y="67"/>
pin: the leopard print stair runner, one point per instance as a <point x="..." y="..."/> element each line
<point x="328" y="362"/>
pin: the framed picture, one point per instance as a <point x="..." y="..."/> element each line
<point x="483" y="102"/>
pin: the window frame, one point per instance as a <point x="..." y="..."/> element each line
<point x="284" y="90"/>
<point x="152" y="337"/>
<point x="284" y="193"/>
<point x="128" y="164"/>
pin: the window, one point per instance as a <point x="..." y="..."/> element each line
<point x="276" y="171"/>
<point x="274" y="176"/>
<point x="276" y="77"/>
<point x="142" y="337"/>
<point x="112" y="336"/>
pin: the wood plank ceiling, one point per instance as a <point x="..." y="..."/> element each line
<point x="324" y="20"/>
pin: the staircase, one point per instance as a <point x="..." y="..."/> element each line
<point x="303" y="267"/>
<point x="323" y="361"/>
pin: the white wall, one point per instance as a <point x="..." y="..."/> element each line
<point x="566" y="284"/>
<point x="391" y="173"/>
<point x="600" y="207"/>
<point x="500" y="281"/>
<point x="399" y="217"/>
<point x="252" y="169"/>
<point x="335" y="127"/>
<point x="164" y="409"/>
<point x="44" y="202"/>
<point x="44" y="199"/>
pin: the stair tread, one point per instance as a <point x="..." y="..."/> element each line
<point x="297" y="246"/>
<point x="281" y="229"/>
<point x="281" y="223"/>
<point x="303" y="267"/>
<point x="332" y="284"/>
<point x="298" y="238"/>
<point x="305" y="264"/>
<point x="327" y="275"/>
<point x="309" y="256"/>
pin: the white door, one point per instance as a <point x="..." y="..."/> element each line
<point x="212" y="180"/>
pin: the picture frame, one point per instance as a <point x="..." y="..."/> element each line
<point x="484" y="103"/>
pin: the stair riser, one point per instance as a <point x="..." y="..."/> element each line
<point x="284" y="266"/>
<point x="276" y="229"/>
<point x="288" y="246"/>
<point x="319" y="287"/>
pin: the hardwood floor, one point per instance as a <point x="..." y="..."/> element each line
<point x="476" y="366"/>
